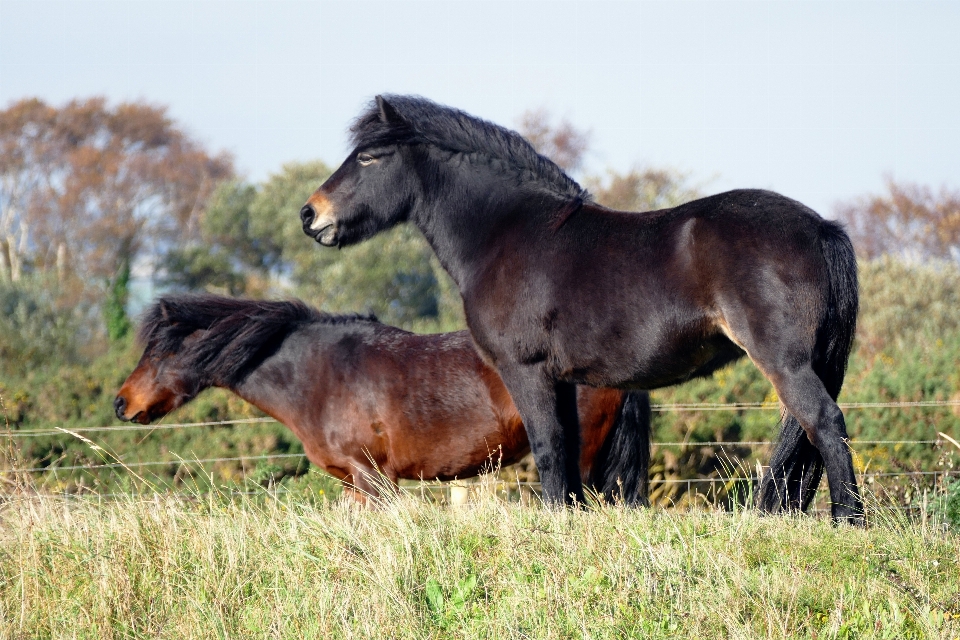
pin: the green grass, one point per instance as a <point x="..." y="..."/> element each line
<point x="259" y="567"/>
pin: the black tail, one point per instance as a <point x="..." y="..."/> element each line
<point x="796" y="466"/>
<point x="620" y="470"/>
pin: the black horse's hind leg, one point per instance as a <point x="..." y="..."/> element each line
<point x="796" y="468"/>
<point x="549" y="412"/>
<point x="804" y="396"/>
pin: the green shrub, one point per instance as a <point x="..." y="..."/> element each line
<point x="947" y="506"/>
<point x="35" y="330"/>
<point x="907" y="348"/>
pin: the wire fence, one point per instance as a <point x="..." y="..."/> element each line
<point x="678" y="486"/>
<point x="657" y="408"/>
<point x="281" y="456"/>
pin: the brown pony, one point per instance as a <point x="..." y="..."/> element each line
<point x="365" y="397"/>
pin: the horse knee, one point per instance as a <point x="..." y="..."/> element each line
<point x="829" y="425"/>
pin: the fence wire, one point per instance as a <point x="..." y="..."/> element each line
<point x="689" y="483"/>
<point x="658" y="408"/>
<point x="282" y="456"/>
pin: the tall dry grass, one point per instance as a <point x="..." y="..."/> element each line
<point x="261" y="567"/>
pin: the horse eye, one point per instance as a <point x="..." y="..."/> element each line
<point x="365" y="159"/>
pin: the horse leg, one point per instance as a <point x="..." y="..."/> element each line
<point x="366" y="484"/>
<point x="796" y="468"/>
<point x="351" y="491"/>
<point x="806" y="398"/>
<point x="549" y="412"/>
<point x="781" y="340"/>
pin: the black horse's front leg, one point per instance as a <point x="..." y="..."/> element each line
<point x="549" y="412"/>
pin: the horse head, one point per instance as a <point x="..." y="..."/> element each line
<point x="161" y="383"/>
<point x="372" y="190"/>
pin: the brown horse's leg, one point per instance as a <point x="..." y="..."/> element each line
<point x="549" y="412"/>
<point x="358" y="486"/>
<point x="373" y="482"/>
<point x="351" y="491"/>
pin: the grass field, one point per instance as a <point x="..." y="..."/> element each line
<point x="261" y="567"/>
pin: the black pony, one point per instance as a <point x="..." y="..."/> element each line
<point x="559" y="291"/>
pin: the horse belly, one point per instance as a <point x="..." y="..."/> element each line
<point x="458" y="439"/>
<point x="464" y="453"/>
<point x="696" y="361"/>
<point x="649" y="356"/>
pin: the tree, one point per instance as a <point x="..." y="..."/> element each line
<point x="225" y="257"/>
<point x="34" y="329"/>
<point x="563" y="143"/>
<point x="27" y="148"/>
<point x="642" y="189"/>
<point x="251" y="241"/>
<point x="89" y="190"/>
<point x="390" y="275"/>
<point x="910" y="220"/>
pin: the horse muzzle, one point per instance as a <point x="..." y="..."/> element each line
<point x="120" y="408"/>
<point x="318" y="221"/>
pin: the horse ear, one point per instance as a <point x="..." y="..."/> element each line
<point x="388" y="115"/>
<point x="168" y="312"/>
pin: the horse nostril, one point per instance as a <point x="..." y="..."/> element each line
<point x="120" y="406"/>
<point x="307" y="215"/>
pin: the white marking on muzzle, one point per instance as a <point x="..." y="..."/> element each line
<point x="324" y="214"/>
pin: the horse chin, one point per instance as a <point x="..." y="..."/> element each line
<point x="327" y="236"/>
<point x="143" y="418"/>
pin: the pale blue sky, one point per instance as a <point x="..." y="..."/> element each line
<point x="817" y="100"/>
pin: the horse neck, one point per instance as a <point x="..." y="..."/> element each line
<point x="273" y="400"/>
<point x="277" y="384"/>
<point x="462" y="223"/>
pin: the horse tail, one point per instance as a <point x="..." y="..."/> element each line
<point x="839" y="323"/>
<point x="796" y="466"/>
<point x="620" y="470"/>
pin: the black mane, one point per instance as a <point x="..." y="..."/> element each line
<point x="238" y="330"/>
<point x="427" y="122"/>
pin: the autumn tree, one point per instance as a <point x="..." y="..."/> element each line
<point x="562" y="142"/>
<point x="642" y="189"/>
<point x="88" y="190"/>
<point x="909" y="220"/>
<point x="250" y="240"/>
<point x="27" y="151"/>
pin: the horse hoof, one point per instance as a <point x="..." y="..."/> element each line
<point x="849" y="516"/>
